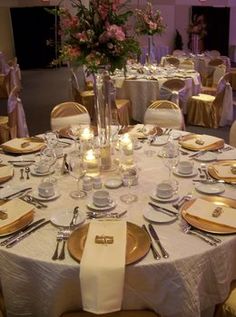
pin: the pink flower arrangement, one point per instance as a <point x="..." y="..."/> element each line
<point x="97" y="35"/>
<point x="148" y="21"/>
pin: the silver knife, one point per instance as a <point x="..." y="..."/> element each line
<point x="155" y="253"/>
<point x="26" y="234"/>
<point x="17" y="193"/>
<point x="19" y="233"/>
<point x="166" y="211"/>
<point x="157" y="240"/>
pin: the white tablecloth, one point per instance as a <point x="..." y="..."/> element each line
<point x="194" y="278"/>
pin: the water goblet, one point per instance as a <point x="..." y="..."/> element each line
<point x="129" y="176"/>
<point x="77" y="169"/>
<point x="74" y="134"/>
<point x="170" y="157"/>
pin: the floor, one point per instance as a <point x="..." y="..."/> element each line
<point x="45" y="88"/>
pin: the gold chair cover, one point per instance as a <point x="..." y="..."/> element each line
<point x="232" y="134"/>
<point x="171" y="60"/>
<point x="68" y="113"/>
<point x="187" y="64"/>
<point x="228" y="308"/>
<point x="212" y="83"/>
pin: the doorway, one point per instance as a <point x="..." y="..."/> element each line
<point x="35" y="36"/>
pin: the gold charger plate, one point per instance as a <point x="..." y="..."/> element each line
<point x="214" y="174"/>
<point x="214" y="146"/>
<point x="207" y="225"/>
<point x="24" y="150"/>
<point x="7" y="177"/>
<point x="18" y="224"/>
<point x="138" y="243"/>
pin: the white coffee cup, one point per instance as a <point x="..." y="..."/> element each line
<point x="185" y="167"/>
<point x="101" y="198"/>
<point x="46" y="189"/>
<point x="41" y="168"/>
<point x="164" y="190"/>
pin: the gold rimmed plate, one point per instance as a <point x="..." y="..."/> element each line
<point x="207" y="225"/>
<point x="23" y="145"/>
<point x="212" y="170"/>
<point x="215" y="145"/>
<point x="137" y="246"/>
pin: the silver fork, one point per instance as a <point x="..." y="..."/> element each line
<point x="96" y="215"/>
<point x="59" y="239"/>
<point x="182" y="200"/>
<point x="65" y="235"/>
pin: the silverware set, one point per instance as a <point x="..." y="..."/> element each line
<point x="62" y="236"/>
<point x="33" y="201"/>
<point x="101" y="215"/>
<point x="25" y="170"/>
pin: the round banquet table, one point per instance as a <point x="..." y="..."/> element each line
<point x="190" y="282"/>
<point x="142" y="91"/>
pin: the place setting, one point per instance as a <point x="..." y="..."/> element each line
<point x="101" y="201"/>
<point x="23" y="145"/>
<point x="47" y="190"/>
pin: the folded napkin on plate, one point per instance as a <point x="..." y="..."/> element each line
<point x="227" y="155"/>
<point x="208" y="140"/>
<point x="4" y="192"/>
<point x="224" y="171"/>
<point x="102" y="267"/>
<point x="17" y="210"/>
<point x="137" y="130"/>
<point x="6" y="171"/>
<point x="22" y="145"/>
<point x="203" y="209"/>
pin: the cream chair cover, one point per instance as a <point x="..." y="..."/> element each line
<point x="187" y="64"/>
<point x="164" y="114"/>
<point x="209" y="111"/>
<point x="218" y="74"/>
<point x="68" y="113"/>
<point x="232" y="134"/>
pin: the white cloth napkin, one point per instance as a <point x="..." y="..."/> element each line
<point x="203" y="209"/>
<point x="227" y="155"/>
<point x="6" y="171"/>
<point x="16" y="144"/>
<point x="102" y="268"/>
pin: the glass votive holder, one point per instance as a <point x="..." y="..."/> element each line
<point x="92" y="163"/>
<point x="86" y="139"/>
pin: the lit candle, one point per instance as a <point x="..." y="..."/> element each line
<point x="126" y="144"/>
<point x="86" y="134"/>
<point x="91" y="163"/>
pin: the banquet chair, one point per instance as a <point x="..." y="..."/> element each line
<point x="187" y="64"/>
<point x="172" y="60"/>
<point x="218" y="73"/>
<point x="211" y="111"/>
<point x="122" y="313"/>
<point x="165" y="114"/>
<point x="175" y="86"/>
<point x="68" y="113"/>
<point x="228" y="307"/>
<point x="232" y="134"/>
<point x="86" y="98"/>
<point x="210" y="69"/>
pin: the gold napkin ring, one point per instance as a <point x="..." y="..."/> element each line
<point x="25" y="144"/>
<point x="217" y="212"/>
<point x="233" y="169"/>
<point x="3" y="215"/>
<point x="104" y="239"/>
<point x="200" y="141"/>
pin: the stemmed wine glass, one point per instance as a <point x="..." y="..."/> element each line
<point x="74" y="133"/>
<point x="129" y="176"/>
<point x="77" y="169"/>
<point x="170" y="156"/>
<point x="48" y="157"/>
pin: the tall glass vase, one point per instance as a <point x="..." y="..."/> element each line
<point x="104" y="102"/>
<point x="149" y="55"/>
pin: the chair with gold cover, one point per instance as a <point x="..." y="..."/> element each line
<point x="122" y="313"/>
<point x="165" y="114"/>
<point x="232" y="134"/>
<point x="86" y="98"/>
<point x="68" y="113"/>
<point x="187" y="64"/>
<point x="175" y="87"/>
<point x="228" y="307"/>
<point x="218" y="73"/>
<point x="207" y="79"/>
<point x="211" y="111"/>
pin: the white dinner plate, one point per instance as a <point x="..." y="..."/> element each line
<point x="160" y="140"/>
<point x="35" y="173"/>
<point x="113" y="182"/>
<point x="36" y="195"/>
<point x="210" y="189"/>
<point x="176" y="172"/>
<point x="62" y="218"/>
<point x="91" y="205"/>
<point x="158" y="216"/>
<point x="206" y="157"/>
<point x="164" y="200"/>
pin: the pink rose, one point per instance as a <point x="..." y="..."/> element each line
<point x="114" y="31"/>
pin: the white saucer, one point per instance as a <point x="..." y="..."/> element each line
<point x="163" y="200"/>
<point x="176" y="172"/>
<point x="157" y="216"/>
<point x="113" y="182"/>
<point x="206" y="157"/>
<point x="36" y="195"/>
<point x="160" y="140"/>
<point x="62" y="218"/>
<point x="91" y="205"/>
<point x="35" y="173"/>
<point x="211" y="189"/>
